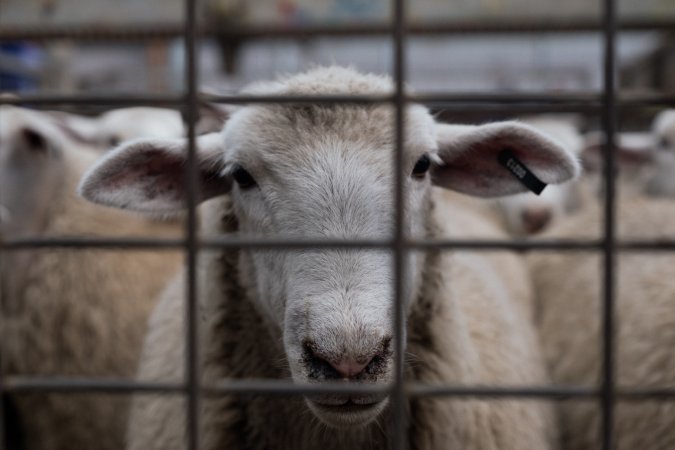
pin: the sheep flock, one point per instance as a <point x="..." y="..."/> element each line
<point x="325" y="316"/>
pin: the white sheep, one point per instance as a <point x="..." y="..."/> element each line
<point x="118" y="125"/>
<point x="645" y="161"/>
<point x="309" y="171"/>
<point x="568" y="289"/>
<point x="69" y="312"/>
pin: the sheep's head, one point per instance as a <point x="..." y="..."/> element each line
<point x="31" y="170"/>
<point x="317" y="172"/>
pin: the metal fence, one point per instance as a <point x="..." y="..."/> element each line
<point x="607" y="103"/>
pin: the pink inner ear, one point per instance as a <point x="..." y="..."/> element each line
<point x="472" y="165"/>
<point x="155" y="174"/>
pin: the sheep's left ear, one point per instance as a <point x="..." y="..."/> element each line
<point x="488" y="160"/>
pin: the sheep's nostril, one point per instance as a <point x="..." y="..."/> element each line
<point x="535" y="219"/>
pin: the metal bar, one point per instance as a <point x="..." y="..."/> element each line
<point x="128" y="244"/>
<point x="516" y="103"/>
<point x="3" y="390"/>
<point x="67" y="385"/>
<point x="557" y="392"/>
<point x="192" y="187"/>
<point x="607" y="398"/>
<point x="398" y="395"/>
<point x="89" y="99"/>
<point x="150" y="31"/>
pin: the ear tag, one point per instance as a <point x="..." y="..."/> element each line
<point x="507" y="159"/>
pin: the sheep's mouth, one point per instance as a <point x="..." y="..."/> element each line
<point x="344" y="412"/>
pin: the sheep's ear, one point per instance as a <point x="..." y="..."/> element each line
<point x="211" y="116"/>
<point x="631" y="150"/>
<point x="488" y="160"/>
<point x="78" y="128"/>
<point x="148" y="175"/>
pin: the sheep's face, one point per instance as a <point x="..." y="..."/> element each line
<point x="527" y="214"/>
<point x="311" y="172"/>
<point x="327" y="173"/>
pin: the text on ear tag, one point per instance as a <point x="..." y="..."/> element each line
<point x="507" y="159"/>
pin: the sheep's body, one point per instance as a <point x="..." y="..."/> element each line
<point x="76" y="313"/>
<point x="461" y="332"/>
<point x="568" y="288"/>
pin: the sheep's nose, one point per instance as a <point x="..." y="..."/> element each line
<point x="326" y="366"/>
<point x="348" y="368"/>
<point x="535" y="219"/>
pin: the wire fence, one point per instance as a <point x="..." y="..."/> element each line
<point x="607" y="103"/>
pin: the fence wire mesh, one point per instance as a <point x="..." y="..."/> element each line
<point x="607" y="103"/>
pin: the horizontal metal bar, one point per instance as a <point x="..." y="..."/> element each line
<point x="297" y="99"/>
<point x="26" y="385"/>
<point x="103" y="243"/>
<point x="458" y="101"/>
<point x="149" y="31"/>
<point x="559" y="392"/>
<point x="287" y="387"/>
<point x="554" y="392"/>
<point x="66" y="385"/>
<point x="47" y="99"/>
<point x="645" y="394"/>
<point x="224" y="242"/>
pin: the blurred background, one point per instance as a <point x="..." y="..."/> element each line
<point x="457" y="48"/>
<point x="522" y="52"/>
<point x="251" y="40"/>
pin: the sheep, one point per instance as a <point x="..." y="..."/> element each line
<point x="118" y="125"/>
<point x="646" y="162"/>
<point x="568" y="287"/>
<point x="661" y="182"/>
<point x="309" y="171"/>
<point x="69" y="312"/>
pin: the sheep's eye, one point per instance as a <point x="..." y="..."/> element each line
<point x="113" y="141"/>
<point x="421" y="166"/>
<point x="242" y="177"/>
<point x="664" y="142"/>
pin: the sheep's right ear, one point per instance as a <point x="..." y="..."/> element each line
<point x="500" y="158"/>
<point x="149" y="175"/>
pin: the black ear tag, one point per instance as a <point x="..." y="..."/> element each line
<point x="507" y="159"/>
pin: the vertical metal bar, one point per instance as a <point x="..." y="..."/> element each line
<point x="400" y="435"/>
<point x="192" y="369"/>
<point x="608" y="393"/>
<point x="3" y="393"/>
